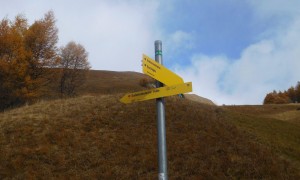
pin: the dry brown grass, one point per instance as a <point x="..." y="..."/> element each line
<point x="196" y="98"/>
<point x="95" y="136"/>
<point x="110" y="82"/>
<point x="284" y="112"/>
<point x="98" y="137"/>
<point x="276" y="126"/>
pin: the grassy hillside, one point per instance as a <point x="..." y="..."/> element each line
<point x="95" y="136"/>
<point x="111" y="82"/>
<point x="196" y="98"/>
<point x="277" y="126"/>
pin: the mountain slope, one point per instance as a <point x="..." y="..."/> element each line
<point x="98" y="137"/>
<point x="277" y="126"/>
<point x="199" y="99"/>
<point x="111" y="82"/>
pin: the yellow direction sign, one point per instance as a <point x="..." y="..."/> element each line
<point x="159" y="72"/>
<point x="157" y="93"/>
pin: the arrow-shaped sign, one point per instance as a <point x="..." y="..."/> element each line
<point x="159" y="72"/>
<point x="157" y="93"/>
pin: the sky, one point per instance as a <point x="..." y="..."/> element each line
<point x="234" y="52"/>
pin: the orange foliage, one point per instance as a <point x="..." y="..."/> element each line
<point x="292" y="95"/>
<point x="28" y="58"/>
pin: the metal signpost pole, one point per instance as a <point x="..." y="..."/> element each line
<point x="161" y="127"/>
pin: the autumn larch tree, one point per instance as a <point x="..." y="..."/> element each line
<point x="74" y="67"/>
<point x="297" y="92"/>
<point x="270" y="98"/>
<point x="13" y="62"/>
<point x="292" y="95"/>
<point x="26" y="54"/>
<point x="29" y="59"/>
<point x="40" y="40"/>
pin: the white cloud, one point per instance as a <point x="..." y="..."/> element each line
<point x="205" y="73"/>
<point x="177" y="42"/>
<point x="265" y="9"/>
<point x="115" y="33"/>
<point x="269" y="64"/>
<point x="180" y="39"/>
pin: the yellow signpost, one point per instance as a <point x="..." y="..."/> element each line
<point x="159" y="72"/>
<point x="174" y="85"/>
<point x="157" y="93"/>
